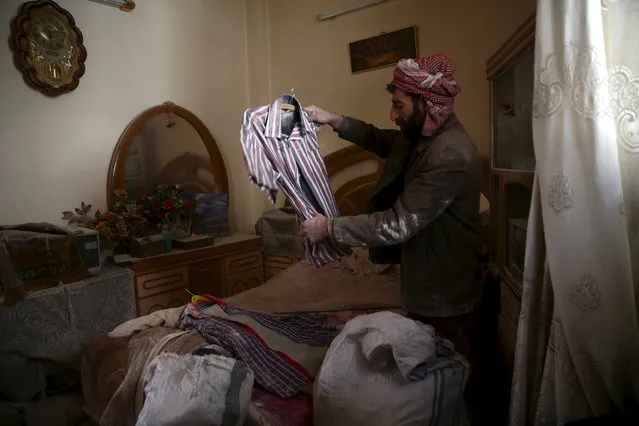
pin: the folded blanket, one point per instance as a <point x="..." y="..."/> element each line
<point x="168" y="318"/>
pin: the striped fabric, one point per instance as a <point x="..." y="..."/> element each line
<point x="309" y="329"/>
<point x="274" y="370"/>
<point x="292" y="164"/>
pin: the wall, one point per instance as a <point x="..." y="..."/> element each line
<point x="55" y="151"/>
<point x="312" y="56"/>
<point x="216" y="58"/>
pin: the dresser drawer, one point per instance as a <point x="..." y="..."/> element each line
<point x="279" y="261"/>
<point x="170" y="299"/>
<point x="158" y="282"/>
<point x="207" y="277"/>
<point x="243" y="262"/>
<point x="243" y="281"/>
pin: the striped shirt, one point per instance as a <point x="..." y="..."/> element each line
<point x="292" y="164"/>
<point x="274" y="370"/>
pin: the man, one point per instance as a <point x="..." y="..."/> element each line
<point x="426" y="202"/>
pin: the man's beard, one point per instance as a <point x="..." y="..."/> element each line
<point x="412" y="127"/>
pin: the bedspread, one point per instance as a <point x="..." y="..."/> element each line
<point x="300" y="287"/>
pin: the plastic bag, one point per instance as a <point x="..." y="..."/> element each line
<point x="384" y="369"/>
<point x="196" y="390"/>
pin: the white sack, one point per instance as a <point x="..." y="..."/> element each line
<point x="194" y="390"/>
<point x="384" y="369"/>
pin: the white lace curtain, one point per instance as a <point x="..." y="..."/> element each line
<point x="578" y="340"/>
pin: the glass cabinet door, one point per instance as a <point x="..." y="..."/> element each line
<point x="512" y="112"/>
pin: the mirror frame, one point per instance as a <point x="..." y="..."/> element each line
<point x="122" y="149"/>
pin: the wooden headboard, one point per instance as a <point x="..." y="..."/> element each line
<point x="353" y="173"/>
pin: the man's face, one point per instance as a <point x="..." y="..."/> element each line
<point x="409" y="116"/>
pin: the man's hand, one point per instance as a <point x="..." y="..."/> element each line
<point x="315" y="229"/>
<point x="321" y="116"/>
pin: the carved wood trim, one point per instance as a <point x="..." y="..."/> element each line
<point x="519" y="43"/>
<point x="179" y="258"/>
<point x="279" y="260"/>
<point x="242" y="262"/>
<point x="354" y="186"/>
<point x="244" y="281"/>
<point x="169" y="299"/>
<point x="150" y="284"/>
<point x="351" y="155"/>
<point x="122" y="149"/>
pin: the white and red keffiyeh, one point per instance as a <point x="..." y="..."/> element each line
<point x="432" y="78"/>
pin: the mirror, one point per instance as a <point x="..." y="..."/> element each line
<point x="166" y="144"/>
<point x="166" y="152"/>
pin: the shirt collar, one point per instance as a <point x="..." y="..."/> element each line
<point x="274" y="122"/>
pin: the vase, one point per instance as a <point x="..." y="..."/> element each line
<point x="179" y="227"/>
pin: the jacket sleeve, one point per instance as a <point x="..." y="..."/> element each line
<point x="369" y="137"/>
<point x="425" y="197"/>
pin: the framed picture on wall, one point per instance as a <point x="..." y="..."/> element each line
<point x="383" y="50"/>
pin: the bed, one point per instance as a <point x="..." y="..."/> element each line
<point x="112" y="364"/>
<point x="344" y="289"/>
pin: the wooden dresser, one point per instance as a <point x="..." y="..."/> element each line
<point x="276" y="263"/>
<point x="234" y="264"/>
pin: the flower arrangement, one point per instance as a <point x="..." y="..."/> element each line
<point x="123" y="222"/>
<point x="166" y="206"/>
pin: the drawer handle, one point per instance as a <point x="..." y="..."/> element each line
<point x="246" y="260"/>
<point x="205" y="269"/>
<point x="162" y="281"/>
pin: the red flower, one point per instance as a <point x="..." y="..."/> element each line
<point x="169" y="205"/>
<point x="155" y="202"/>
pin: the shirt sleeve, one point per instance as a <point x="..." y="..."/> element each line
<point x="261" y="172"/>
<point x="378" y="141"/>
<point x="425" y="197"/>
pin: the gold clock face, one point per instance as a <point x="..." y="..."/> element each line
<point x="49" y="32"/>
<point x="49" y="46"/>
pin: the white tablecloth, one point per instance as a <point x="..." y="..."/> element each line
<point x="57" y="323"/>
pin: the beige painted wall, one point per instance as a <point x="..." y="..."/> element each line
<point x="54" y="153"/>
<point x="312" y="56"/>
<point x="217" y="58"/>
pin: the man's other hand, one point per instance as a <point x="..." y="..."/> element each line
<point x="321" y="116"/>
<point x="315" y="229"/>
